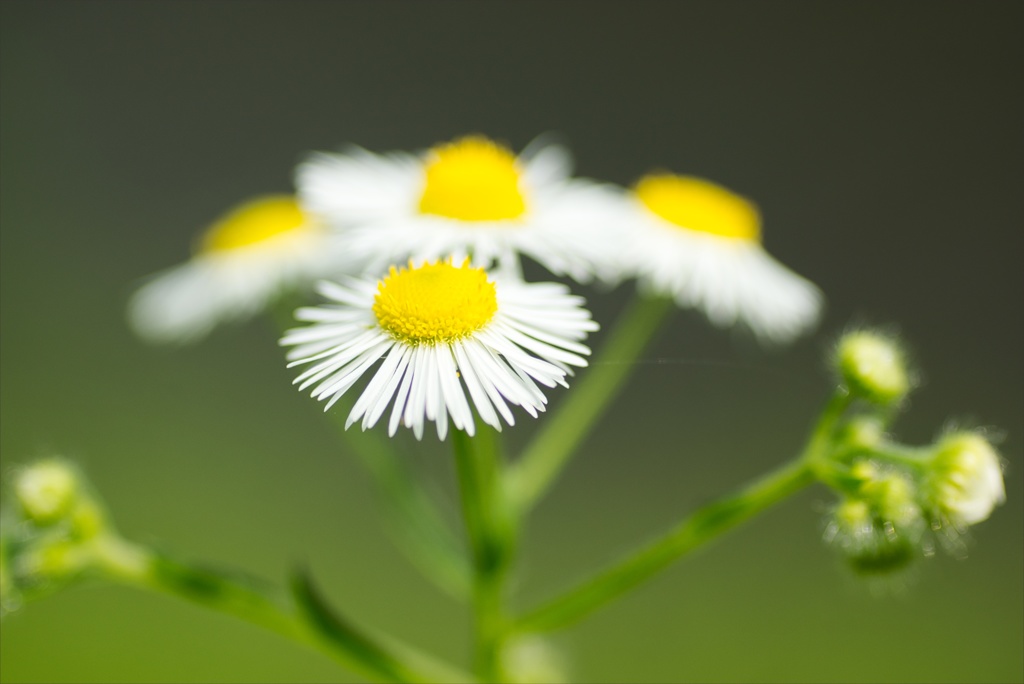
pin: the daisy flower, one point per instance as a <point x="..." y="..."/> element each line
<point x="701" y="244"/>
<point x="440" y="329"/>
<point x="241" y="262"/>
<point x="471" y="197"/>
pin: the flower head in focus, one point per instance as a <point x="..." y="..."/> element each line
<point x="242" y="262"/>
<point x="700" y="244"/>
<point x="440" y="329"/>
<point x="471" y="197"/>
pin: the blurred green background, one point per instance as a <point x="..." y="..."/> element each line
<point x="883" y="142"/>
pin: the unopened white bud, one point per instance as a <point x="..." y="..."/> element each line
<point x="46" y="490"/>
<point x="873" y="367"/>
<point x="966" y="479"/>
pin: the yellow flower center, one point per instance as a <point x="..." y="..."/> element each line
<point x="472" y="179"/>
<point x="699" y="205"/>
<point x="253" y="222"/>
<point x="435" y="302"/>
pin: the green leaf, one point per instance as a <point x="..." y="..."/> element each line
<point x="376" y="656"/>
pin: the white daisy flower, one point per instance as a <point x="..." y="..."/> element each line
<point x="471" y="197"/>
<point x="701" y="244"/>
<point x="440" y="330"/>
<point x="241" y="262"/>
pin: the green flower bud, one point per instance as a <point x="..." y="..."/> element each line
<point x="46" y="491"/>
<point x="872" y="546"/>
<point x="873" y="367"/>
<point x="862" y="432"/>
<point x="965" y="481"/>
<point x="891" y="494"/>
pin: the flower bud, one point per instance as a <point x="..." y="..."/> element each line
<point x="873" y="367"/>
<point x="862" y="432"/>
<point x="966" y="479"/>
<point x="872" y="545"/>
<point x="46" y="491"/>
<point x="891" y="494"/>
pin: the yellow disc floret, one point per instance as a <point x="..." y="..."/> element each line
<point x="435" y="302"/>
<point x="253" y="222"/>
<point x="700" y="205"/>
<point x="472" y="179"/>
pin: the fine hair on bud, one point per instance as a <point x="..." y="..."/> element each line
<point x="964" y="480"/>
<point x="873" y="365"/>
<point x="870" y="545"/>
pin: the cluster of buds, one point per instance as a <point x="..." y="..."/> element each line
<point x="894" y="498"/>
<point x="51" y="526"/>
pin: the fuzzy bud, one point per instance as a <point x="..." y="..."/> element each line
<point x="46" y="491"/>
<point x="872" y="546"/>
<point x="966" y="480"/>
<point x="873" y="367"/>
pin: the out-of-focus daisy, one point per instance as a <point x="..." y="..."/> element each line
<point x="471" y="197"/>
<point x="440" y="329"/>
<point x="245" y="259"/>
<point x="701" y="244"/>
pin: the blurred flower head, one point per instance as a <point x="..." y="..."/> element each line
<point x="700" y="244"/>
<point x="241" y="263"/>
<point x="472" y="198"/>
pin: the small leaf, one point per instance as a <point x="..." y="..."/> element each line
<point x="363" y="652"/>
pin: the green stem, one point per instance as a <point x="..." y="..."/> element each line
<point x="549" y="452"/>
<point x="264" y="606"/>
<point x="694" y="531"/>
<point x="697" y="529"/>
<point x="489" y="527"/>
<point x="916" y="457"/>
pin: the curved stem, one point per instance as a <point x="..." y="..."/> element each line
<point x="549" y="452"/>
<point x="694" y="531"/>
<point x="699" y="528"/>
<point x="266" y="607"/>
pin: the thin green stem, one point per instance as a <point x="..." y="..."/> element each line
<point x="489" y="527"/>
<point x="817" y="453"/>
<point x="699" y="528"/>
<point x="549" y="452"/>
<point x="916" y="457"/>
<point x="694" y="531"/>
<point x="266" y="607"/>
